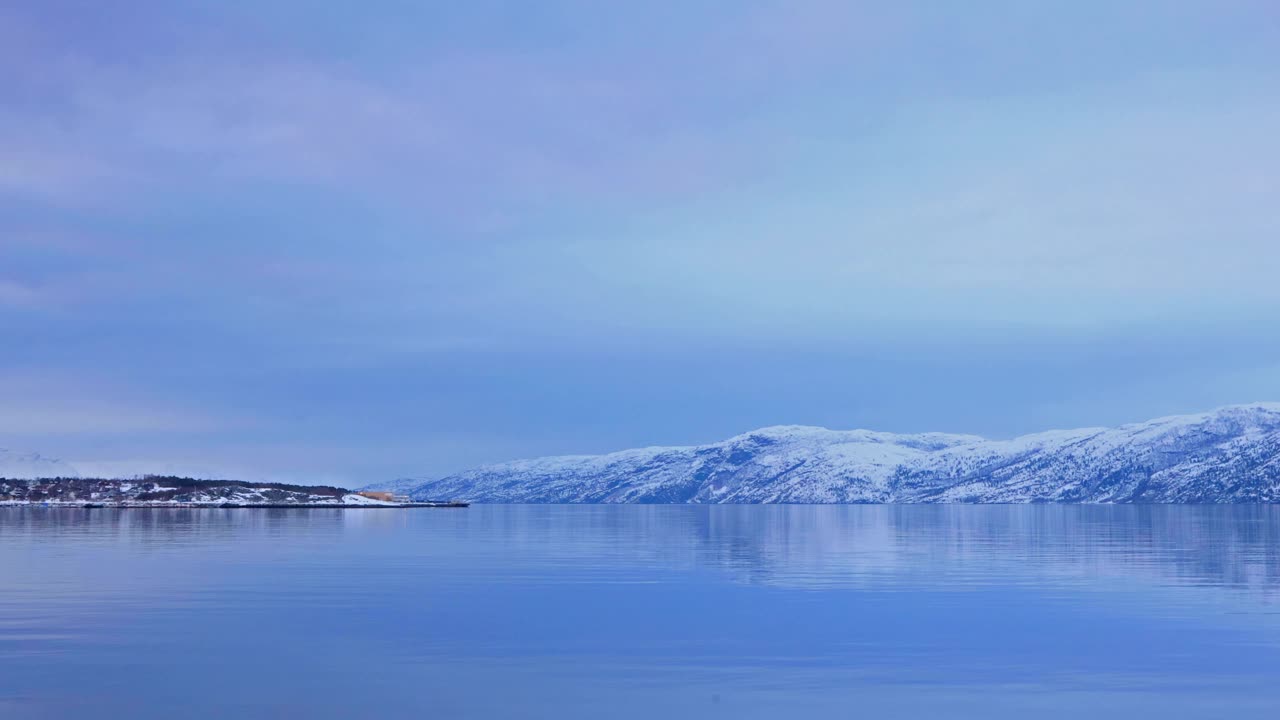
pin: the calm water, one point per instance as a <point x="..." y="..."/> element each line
<point x="639" y="612"/>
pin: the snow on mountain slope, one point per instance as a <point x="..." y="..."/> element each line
<point x="1228" y="455"/>
<point x="17" y="466"/>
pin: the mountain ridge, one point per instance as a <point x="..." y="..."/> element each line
<point x="30" y="465"/>
<point x="1231" y="454"/>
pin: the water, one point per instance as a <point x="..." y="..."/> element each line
<point x="641" y="612"/>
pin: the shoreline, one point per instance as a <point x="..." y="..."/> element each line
<point x="232" y="506"/>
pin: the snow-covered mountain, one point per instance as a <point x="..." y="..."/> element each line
<point x="1226" y="456"/>
<point x="16" y="465"/>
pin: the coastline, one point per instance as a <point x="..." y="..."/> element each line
<point x="234" y="506"/>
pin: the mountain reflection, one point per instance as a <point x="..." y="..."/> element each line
<point x="956" y="546"/>
<point x="1229" y="548"/>
<point x="896" y="547"/>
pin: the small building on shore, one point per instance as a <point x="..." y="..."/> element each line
<point x="383" y="496"/>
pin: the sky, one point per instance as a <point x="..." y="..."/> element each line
<point x="349" y="242"/>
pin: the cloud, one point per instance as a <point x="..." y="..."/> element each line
<point x="438" y="135"/>
<point x="1094" y="209"/>
<point x="19" y="295"/>
<point x="228" y="233"/>
<point x="36" y="403"/>
<point x="74" y="418"/>
<point x="458" y="130"/>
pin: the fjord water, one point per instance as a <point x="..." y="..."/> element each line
<point x="642" y="611"/>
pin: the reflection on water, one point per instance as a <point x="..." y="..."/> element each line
<point x="579" y="611"/>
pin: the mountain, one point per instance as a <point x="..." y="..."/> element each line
<point x="17" y="465"/>
<point x="1230" y="455"/>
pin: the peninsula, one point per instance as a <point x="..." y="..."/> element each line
<point x="157" y="491"/>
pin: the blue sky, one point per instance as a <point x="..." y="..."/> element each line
<point x="347" y="242"/>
